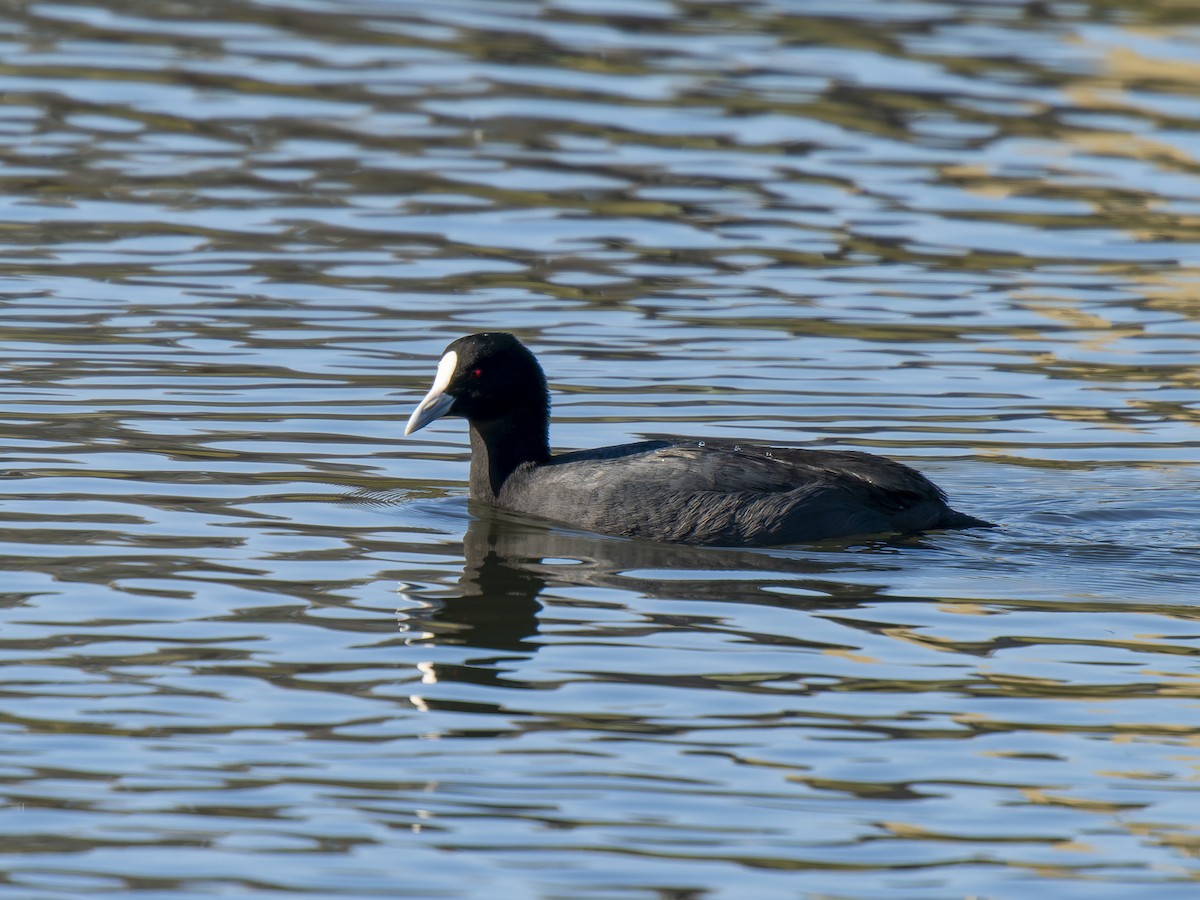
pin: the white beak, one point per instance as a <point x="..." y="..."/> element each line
<point x="437" y="402"/>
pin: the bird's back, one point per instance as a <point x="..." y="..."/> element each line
<point x="720" y="493"/>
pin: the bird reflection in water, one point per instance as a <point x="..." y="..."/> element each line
<point x="510" y="561"/>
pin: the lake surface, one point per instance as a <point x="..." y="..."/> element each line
<point x="253" y="643"/>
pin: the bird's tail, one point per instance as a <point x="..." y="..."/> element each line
<point x="954" y="519"/>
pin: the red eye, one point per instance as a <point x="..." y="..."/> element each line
<point x="477" y="373"/>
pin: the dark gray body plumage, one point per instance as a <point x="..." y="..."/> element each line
<point x="718" y="493"/>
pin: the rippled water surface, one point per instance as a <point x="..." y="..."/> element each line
<point x="254" y="643"/>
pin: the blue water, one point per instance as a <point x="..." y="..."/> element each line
<point x="253" y="643"/>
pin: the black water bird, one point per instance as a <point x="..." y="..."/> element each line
<point x="679" y="491"/>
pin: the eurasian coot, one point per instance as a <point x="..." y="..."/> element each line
<point x="680" y="491"/>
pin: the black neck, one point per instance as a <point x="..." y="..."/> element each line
<point x="499" y="446"/>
